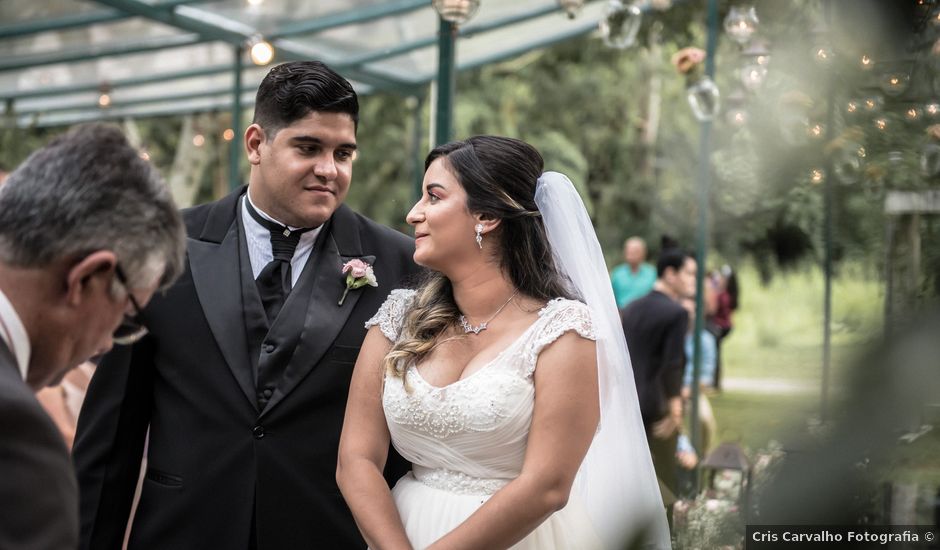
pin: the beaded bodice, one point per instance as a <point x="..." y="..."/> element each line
<point x="469" y="437"/>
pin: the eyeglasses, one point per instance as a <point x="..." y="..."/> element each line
<point x="132" y="327"/>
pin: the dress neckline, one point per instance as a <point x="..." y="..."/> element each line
<point x="489" y="363"/>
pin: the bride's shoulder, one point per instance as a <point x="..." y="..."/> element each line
<point x="566" y="310"/>
<point x="391" y="314"/>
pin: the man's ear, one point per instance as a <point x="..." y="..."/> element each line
<point x="81" y="274"/>
<point x="254" y="137"/>
<point x="489" y="222"/>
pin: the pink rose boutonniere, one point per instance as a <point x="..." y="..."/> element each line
<point x="358" y="274"/>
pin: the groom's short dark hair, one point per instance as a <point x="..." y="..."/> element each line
<point x="290" y="91"/>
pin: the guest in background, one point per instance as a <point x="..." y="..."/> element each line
<point x="719" y="321"/>
<point x="634" y="278"/>
<point x="655" y="328"/>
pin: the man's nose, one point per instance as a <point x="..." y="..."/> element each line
<point x="325" y="167"/>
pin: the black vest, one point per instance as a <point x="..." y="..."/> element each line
<point x="271" y="348"/>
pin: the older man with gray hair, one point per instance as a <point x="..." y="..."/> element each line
<point x="88" y="233"/>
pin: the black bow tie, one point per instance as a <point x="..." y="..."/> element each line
<point x="274" y="281"/>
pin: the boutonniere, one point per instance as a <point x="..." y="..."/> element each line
<point x="358" y="274"/>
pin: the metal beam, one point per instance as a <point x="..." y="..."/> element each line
<point x="121" y="83"/>
<point x="464" y="32"/>
<point x="95" y="51"/>
<point x="77" y="20"/>
<point x="177" y="18"/>
<point x="349" y="17"/>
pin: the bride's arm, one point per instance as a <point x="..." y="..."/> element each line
<point x="363" y="450"/>
<point x="564" y="420"/>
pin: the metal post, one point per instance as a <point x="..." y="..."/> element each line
<point x="417" y="153"/>
<point x="827" y="240"/>
<point x="704" y="182"/>
<point x="446" y="83"/>
<point x="235" y="147"/>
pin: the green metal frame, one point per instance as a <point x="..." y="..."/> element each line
<point x="78" y="20"/>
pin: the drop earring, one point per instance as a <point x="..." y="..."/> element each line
<point x="479" y="236"/>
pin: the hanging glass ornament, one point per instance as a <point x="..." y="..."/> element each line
<point x="620" y="24"/>
<point x="753" y="75"/>
<point x="571" y="7"/>
<point x="704" y="98"/>
<point x="930" y="159"/>
<point x="457" y="12"/>
<point x="894" y="83"/>
<point x="847" y="163"/>
<point x="741" y="23"/>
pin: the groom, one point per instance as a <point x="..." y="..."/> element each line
<point x="243" y="379"/>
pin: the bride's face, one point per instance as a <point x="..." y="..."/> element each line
<point x="444" y="233"/>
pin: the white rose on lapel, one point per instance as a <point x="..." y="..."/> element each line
<point x="358" y="274"/>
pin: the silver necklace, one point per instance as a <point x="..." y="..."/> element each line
<point x="468" y="328"/>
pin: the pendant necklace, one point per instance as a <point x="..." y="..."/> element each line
<point x="468" y="328"/>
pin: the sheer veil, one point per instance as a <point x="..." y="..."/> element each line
<point x="616" y="479"/>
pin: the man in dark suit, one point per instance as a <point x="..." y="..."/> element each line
<point x="88" y="231"/>
<point x="655" y="327"/>
<point x="244" y="377"/>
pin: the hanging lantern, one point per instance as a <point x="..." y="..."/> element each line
<point x="620" y="24"/>
<point x="932" y="110"/>
<point x="736" y="114"/>
<point x="741" y="23"/>
<point x="754" y="71"/>
<point x="847" y="162"/>
<point x="866" y="63"/>
<point x="704" y="98"/>
<point x="104" y="95"/>
<point x="260" y="51"/>
<point x="571" y="7"/>
<point x="457" y="12"/>
<point x="930" y="159"/>
<point x="894" y="82"/>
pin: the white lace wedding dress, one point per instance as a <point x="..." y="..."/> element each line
<point x="467" y="440"/>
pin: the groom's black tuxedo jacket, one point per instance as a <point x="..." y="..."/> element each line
<point x="244" y="419"/>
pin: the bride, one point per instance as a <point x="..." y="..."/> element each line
<point x="504" y="378"/>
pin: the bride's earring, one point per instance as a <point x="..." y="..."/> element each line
<point x="479" y="237"/>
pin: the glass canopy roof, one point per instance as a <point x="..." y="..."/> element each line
<point x="158" y="57"/>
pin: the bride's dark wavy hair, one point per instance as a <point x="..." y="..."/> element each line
<point x="499" y="175"/>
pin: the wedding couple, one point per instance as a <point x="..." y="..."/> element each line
<point x="496" y="397"/>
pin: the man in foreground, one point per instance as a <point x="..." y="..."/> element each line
<point x="88" y="232"/>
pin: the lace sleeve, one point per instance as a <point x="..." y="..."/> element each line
<point x="559" y="316"/>
<point x="390" y="316"/>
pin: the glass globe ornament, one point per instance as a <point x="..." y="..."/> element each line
<point x="753" y="75"/>
<point x="848" y="162"/>
<point x="894" y="83"/>
<point x="620" y="24"/>
<point x="930" y="159"/>
<point x="704" y="98"/>
<point x="741" y="23"/>
<point x="571" y="7"/>
<point x="457" y="12"/>
<point x="932" y="110"/>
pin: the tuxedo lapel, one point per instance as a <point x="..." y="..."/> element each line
<point x="213" y="260"/>
<point x="324" y="316"/>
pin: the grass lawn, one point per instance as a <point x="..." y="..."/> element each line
<point x="777" y="340"/>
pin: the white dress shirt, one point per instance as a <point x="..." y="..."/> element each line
<point x="14" y="334"/>
<point x="259" y="243"/>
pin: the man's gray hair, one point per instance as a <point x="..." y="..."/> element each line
<point x="89" y="190"/>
